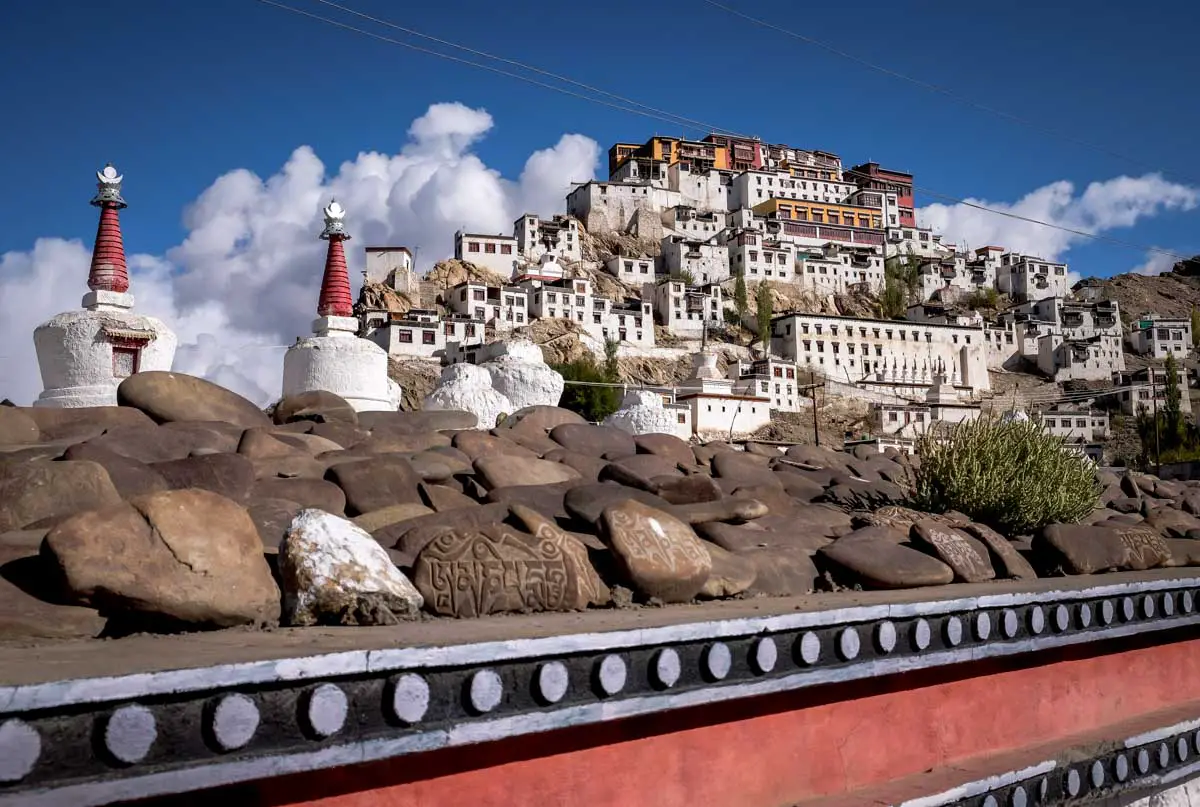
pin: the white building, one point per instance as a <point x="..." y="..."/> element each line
<point x="750" y="188"/>
<point x="1068" y="339"/>
<point x="706" y="261"/>
<point x="392" y="266"/>
<point x="628" y="321"/>
<point x="1147" y="389"/>
<point x="716" y="408"/>
<point x="334" y="359"/>
<point x="557" y="236"/>
<point x="940" y="407"/>
<point x="833" y="268"/>
<point x="85" y="355"/>
<point x="1161" y="336"/>
<point x="702" y="189"/>
<point x="1075" y="424"/>
<point x="501" y="307"/>
<point x="1026" y="278"/>
<point x="420" y="333"/>
<point x="631" y="270"/>
<point x="685" y="310"/>
<point x="495" y="252"/>
<point x="617" y="206"/>
<point x="883" y="352"/>
<point x="761" y="258"/>
<point x="776" y="380"/>
<point x="692" y="223"/>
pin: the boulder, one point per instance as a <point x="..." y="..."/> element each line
<point x="1013" y="562"/>
<point x="186" y="557"/>
<point x="780" y="572"/>
<point x="375" y="484"/>
<point x="130" y="477"/>
<point x="31" y="606"/>
<point x="686" y="489"/>
<point x="417" y="422"/>
<point x="1079" y="549"/>
<point x="730" y="509"/>
<point x="309" y="493"/>
<point x="272" y="518"/>
<point x="731" y="574"/>
<point x="334" y="573"/>
<point x="392" y="514"/>
<point x="477" y="444"/>
<point x="965" y="555"/>
<point x="144" y="443"/>
<point x="503" y="470"/>
<point x="318" y="406"/>
<point x="666" y="446"/>
<point x="166" y="396"/>
<point x="656" y="552"/>
<point x="17" y="428"/>
<point x="886" y="564"/>
<point x="230" y="475"/>
<point x="595" y="441"/>
<point x="543" y="418"/>
<point x="35" y="491"/>
<point x="587" y="502"/>
<point x="441" y="498"/>
<point x="591" y="590"/>
<point x="66" y="424"/>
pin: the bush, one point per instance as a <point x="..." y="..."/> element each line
<point x="1012" y="476"/>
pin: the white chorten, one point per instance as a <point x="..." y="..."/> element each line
<point x="84" y="355"/>
<point x="335" y="359"/>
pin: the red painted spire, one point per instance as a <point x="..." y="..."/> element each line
<point x="109" y="271"/>
<point x="335" y="300"/>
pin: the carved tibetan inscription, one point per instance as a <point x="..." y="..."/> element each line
<point x="966" y="556"/>
<point x="492" y="570"/>
<point x="1144" y="548"/>
<point x="659" y="554"/>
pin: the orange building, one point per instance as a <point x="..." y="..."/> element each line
<point x="821" y="213"/>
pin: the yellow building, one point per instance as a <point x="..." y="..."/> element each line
<point x="821" y="213"/>
<point x="697" y="153"/>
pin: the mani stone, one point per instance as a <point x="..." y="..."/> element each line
<point x="494" y="569"/>
<point x="1014" y="562"/>
<point x="591" y="589"/>
<point x="882" y="563"/>
<point x="657" y="552"/>
<point x="965" y="555"/>
<point x="1082" y="549"/>
<point x="335" y="573"/>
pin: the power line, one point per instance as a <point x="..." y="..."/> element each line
<point x="939" y="90"/>
<point x="566" y="79"/>
<point x="675" y="119"/>
<point x="470" y="63"/>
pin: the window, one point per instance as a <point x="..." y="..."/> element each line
<point x="477" y="295"/>
<point x="404" y="336"/>
<point x="1081" y="423"/>
<point x="1049" y="423"/>
<point x="490" y="249"/>
<point x="681" y="418"/>
<point x="506" y="249"/>
<point x="472" y="246"/>
<point x="124" y="361"/>
<point x="428" y="337"/>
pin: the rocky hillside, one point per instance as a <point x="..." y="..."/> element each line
<point x="1172" y="294"/>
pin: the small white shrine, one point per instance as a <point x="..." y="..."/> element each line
<point x="84" y="355"/>
<point x="335" y="359"/>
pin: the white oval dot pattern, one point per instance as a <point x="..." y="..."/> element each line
<point x="1037" y="620"/>
<point x="486" y="691"/>
<point x="1009" y="623"/>
<point x="667" y="667"/>
<point x="1085" y="615"/>
<point x="953" y="631"/>
<point x="1062" y="618"/>
<point x="885" y="637"/>
<point x="766" y="655"/>
<point x="234" y="722"/>
<point x="1108" y="612"/>
<point x="612" y="674"/>
<point x="553" y="680"/>
<point x="849" y="644"/>
<point x="718" y="660"/>
<point x="20" y="747"/>
<point x="1097" y="774"/>
<point x="130" y="733"/>
<point x="410" y="698"/>
<point x="810" y="648"/>
<point x="922" y="634"/>
<point x="327" y="709"/>
<point x="983" y="626"/>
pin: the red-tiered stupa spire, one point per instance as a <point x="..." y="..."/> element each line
<point x="335" y="300"/>
<point x="109" y="272"/>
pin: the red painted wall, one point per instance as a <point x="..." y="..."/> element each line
<point x="777" y="750"/>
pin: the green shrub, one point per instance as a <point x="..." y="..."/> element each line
<point x="1011" y="476"/>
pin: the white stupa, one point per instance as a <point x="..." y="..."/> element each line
<point x="84" y="355"/>
<point x="335" y="359"/>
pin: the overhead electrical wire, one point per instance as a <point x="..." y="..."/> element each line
<point x="644" y="111"/>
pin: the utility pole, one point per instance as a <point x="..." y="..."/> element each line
<point x="812" y="392"/>
<point x="1154" y="404"/>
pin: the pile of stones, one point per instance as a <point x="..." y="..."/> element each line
<point x="188" y="507"/>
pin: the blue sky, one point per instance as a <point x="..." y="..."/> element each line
<point x="177" y="93"/>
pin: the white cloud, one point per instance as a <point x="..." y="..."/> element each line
<point x="1155" y="264"/>
<point x="1112" y="204"/>
<point x="244" y="281"/>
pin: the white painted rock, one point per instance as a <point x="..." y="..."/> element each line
<point x="521" y="374"/>
<point x="642" y="412"/>
<point x="334" y="572"/>
<point x="467" y="388"/>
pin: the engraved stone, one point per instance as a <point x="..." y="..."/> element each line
<point x="1121" y="768"/>
<point x="718" y="660"/>
<point x="1062" y="618"/>
<point x="553" y="681"/>
<point x="667" y="667"/>
<point x="491" y="569"/>
<point x="1097" y="774"/>
<point x="610" y="675"/>
<point x="962" y="553"/>
<point x="1128" y="611"/>
<point x="922" y="635"/>
<point x="326" y="711"/>
<point x="20" y="747"/>
<point x="410" y="698"/>
<point x="1108" y="612"/>
<point x="486" y="691"/>
<point x="234" y="721"/>
<point x="1168" y="604"/>
<point x="1148" y="606"/>
<point x="1143" y="760"/>
<point x="1037" y="620"/>
<point x="810" y="648"/>
<point x="1144" y="548"/>
<point x="655" y="551"/>
<point x="1009" y="623"/>
<point x="1085" y="615"/>
<point x="983" y="626"/>
<point x="1181" y="749"/>
<point x="129" y="733"/>
<point x="766" y="654"/>
<point x="953" y="631"/>
<point x="591" y="589"/>
<point x="1018" y="798"/>
<point x="849" y="644"/>
<point x="1164" y="755"/>
<point x="1074" y="782"/>
<point x="885" y="637"/>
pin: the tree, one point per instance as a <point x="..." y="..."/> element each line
<point x="902" y="280"/>
<point x="592" y="399"/>
<point x="741" y="301"/>
<point x="765" y="307"/>
<point x="1172" y="409"/>
<point x="683" y="274"/>
<point x="611" y="370"/>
